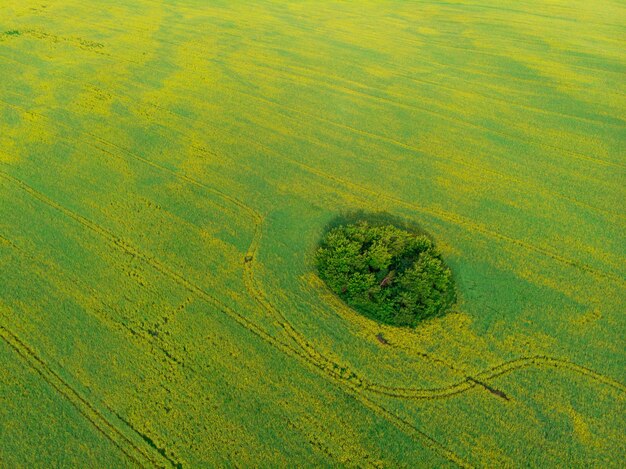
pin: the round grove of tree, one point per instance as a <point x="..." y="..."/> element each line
<point x="386" y="273"/>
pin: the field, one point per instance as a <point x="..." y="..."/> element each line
<point x="167" y="169"/>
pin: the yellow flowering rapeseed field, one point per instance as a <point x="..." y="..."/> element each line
<point x="168" y="168"/>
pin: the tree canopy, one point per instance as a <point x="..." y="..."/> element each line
<point x="386" y="273"/>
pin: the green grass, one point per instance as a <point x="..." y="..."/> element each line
<point x="148" y="148"/>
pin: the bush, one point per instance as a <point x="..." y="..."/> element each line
<point x="386" y="273"/>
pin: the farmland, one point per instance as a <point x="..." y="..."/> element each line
<point x="168" y="168"/>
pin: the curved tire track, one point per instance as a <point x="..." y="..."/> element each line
<point x="284" y="347"/>
<point x="352" y="382"/>
<point x="336" y="370"/>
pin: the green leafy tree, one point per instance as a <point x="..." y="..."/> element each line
<point x="386" y="273"/>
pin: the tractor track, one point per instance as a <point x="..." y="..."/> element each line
<point x="306" y="352"/>
<point x="88" y="410"/>
<point x="411" y="393"/>
<point x="349" y="384"/>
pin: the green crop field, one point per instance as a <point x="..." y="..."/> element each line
<point x="167" y="169"/>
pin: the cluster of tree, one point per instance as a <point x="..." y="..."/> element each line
<point x="386" y="273"/>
